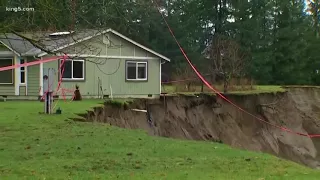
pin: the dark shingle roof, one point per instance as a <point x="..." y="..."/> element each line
<point x="16" y="43"/>
<point x="51" y="43"/>
<point x="43" y="40"/>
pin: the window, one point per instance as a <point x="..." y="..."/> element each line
<point x="22" y="73"/>
<point x="6" y="77"/>
<point x="136" y="71"/>
<point x="73" y="70"/>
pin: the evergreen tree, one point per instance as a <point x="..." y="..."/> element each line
<point x="279" y="39"/>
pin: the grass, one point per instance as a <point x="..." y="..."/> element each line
<point x="38" y="146"/>
<point x="238" y="90"/>
<point x="260" y="89"/>
<point x="301" y="86"/>
<point x="119" y="102"/>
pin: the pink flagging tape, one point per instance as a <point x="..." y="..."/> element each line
<point x="39" y="61"/>
<point x="222" y="96"/>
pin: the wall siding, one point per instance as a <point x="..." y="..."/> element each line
<point x="112" y="71"/>
<point x="33" y="75"/>
<point x="115" y="47"/>
<point x="117" y="80"/>
<point x="3" y="48"/>
<point x="7" y="90"/>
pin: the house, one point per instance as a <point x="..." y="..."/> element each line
<point x="101" y="62"/>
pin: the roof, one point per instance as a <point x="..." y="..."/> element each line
<point x="42" y="39"/>
<point x="52" y="44"/>
<point x="16" y="44"/>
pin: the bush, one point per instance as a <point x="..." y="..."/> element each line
<point x="77" y="94"/>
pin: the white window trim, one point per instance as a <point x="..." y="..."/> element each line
<point x="73" y="79"/>
<point x="12" y="77"/>
<point x="25" y="73"/>
<point x="137" y="62"/>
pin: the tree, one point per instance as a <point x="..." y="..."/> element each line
<point x="187" y="77"/>
<point x="289" y="45"/>
<point x="228" y="60"/>
<point x="314" y="9"/>
<point x="276" y="35"/>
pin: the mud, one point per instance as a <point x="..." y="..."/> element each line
<point x="209" y="118"/>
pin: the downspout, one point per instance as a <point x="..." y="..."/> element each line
<point x="161" y="62"/>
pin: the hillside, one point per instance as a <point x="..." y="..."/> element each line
<point x="209" y="118"/>
<point x="37" y="146"/>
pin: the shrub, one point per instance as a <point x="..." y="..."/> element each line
<point x="77" y="94"/>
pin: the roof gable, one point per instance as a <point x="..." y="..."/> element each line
<point x="139" y="45"/>
<point x="94" y="33"/>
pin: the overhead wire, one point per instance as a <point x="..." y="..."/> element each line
<point x="115" y="71"/>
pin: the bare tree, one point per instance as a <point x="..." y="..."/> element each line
<point x="187" y="77"/>
<point x="227" y="59"/>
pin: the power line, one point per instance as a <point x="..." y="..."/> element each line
<point x="119" y="62"/>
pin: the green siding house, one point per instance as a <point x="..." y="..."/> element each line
<point x="102" y="63"/>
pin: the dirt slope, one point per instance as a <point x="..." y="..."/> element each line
<point x="210" y="118"/>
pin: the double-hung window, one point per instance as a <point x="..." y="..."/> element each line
<point x="6" y="77"/>
<point x="72" y="69"/>
<point x="136" y="71"/>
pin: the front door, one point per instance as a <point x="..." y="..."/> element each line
<point x="22" y="79"/>
<point x="22" y="90"/>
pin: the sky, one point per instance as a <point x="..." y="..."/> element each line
<point x="306" y="5"/>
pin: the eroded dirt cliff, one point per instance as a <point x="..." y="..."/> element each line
<point x="212" y="119"/>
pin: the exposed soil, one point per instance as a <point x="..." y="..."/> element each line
<point x="212" y="119"/>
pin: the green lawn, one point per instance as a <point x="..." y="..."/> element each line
<point x="35" y="146"/>
<point x="239" y="90"/>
